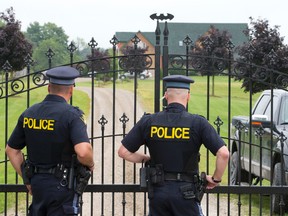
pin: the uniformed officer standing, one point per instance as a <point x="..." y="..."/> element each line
<point x="52" y="131"/>
<point x="173" y="138"/>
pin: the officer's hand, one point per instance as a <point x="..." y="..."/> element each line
<point x="29" y="189"/>
<point x="146" y="158"/>
<point x="211" y="184"/>
<point x="91" y="168"/>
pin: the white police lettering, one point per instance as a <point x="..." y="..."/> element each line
<point x="170" y="133"/>
<point x="38" y="124"/>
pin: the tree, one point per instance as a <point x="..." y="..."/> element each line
<point x="45" y="37"/>
<point x="83" y="50"/>
<point x="60" y="54"/>
<point x="51" y="36"/>
<point x="135" y="60"/>
<point x="13" y="45"/>
<point x="210" y="54"/>
<point x="37" y="33"/>
<point x="262" y="54"/>
<point x="33" y="33"/>
<point x="100" y="64"/>
<point x="212" y="45"/>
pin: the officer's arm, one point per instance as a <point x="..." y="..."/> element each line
<point x="222" y="157"/>
<point x="135" y="157"/>
<point x="16" y="158"/>
<point x="84" y="153"/>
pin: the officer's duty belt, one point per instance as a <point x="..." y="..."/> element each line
<point x="180" y="177"/>
<point x="39" y="170"/>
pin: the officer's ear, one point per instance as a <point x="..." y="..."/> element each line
<point x="165" y="95"/>
<point x="71" y="89"/>
<point x="188" y="96"/>
<point x="49" y="86"/>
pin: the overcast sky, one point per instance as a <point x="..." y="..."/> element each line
<point x="102" y="18"/>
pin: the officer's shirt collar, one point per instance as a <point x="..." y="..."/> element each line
<point x="57" y="98"/>
<point x="175" y="107"/>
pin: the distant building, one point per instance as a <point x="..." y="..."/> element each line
<point x="178" y="32"/>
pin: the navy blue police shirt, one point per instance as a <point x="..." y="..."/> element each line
<point x="49" y="130"/>
<point x="174" y="138"/>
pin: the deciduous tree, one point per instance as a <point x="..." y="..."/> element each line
<point x="210" y="54"/>
<point x="14" y="47"/>
<point x="263" y="54"/>
<point x="135" y="61"/>
<point x="45" y="37"/>
<point x="100" y="64"/>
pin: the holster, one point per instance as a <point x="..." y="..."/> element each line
<point x="201" y="187"/>
<point x="156" y="174"/>
<point x="27" y="170"/>
<point x="82" y="178"/>
<point x="150" y="176"/>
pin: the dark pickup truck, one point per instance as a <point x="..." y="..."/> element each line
<point x="256" y="148"/>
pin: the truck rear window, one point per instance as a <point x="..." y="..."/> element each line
<point x="283" y="116"/>
<point x="263" y="107"/>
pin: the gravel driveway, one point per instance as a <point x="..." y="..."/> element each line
<point x="106" y="151"/>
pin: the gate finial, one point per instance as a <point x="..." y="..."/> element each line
<point x="161" y="16"/>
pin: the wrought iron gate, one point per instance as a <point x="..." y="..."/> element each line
<point x="114" y="188"/>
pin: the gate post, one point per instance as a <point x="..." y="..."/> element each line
<point x="165" y="57"/>
<point x="157" y="66"/>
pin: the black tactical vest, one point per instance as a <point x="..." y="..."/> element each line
<point x="170" y="142"/>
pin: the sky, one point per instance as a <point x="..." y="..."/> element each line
<point x="100" y="19"/>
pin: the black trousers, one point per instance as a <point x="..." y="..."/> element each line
<point x="168" y="201"/>
<point x="50" y="198"/>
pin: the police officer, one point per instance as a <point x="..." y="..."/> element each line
<point x="174" y="137"/>
<point x="52" y="131"/>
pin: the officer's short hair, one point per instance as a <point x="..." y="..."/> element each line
<point x="63" y="75"/>
<point x="178" y="81"/>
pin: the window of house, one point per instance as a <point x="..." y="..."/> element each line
<point x="142" y="45"/>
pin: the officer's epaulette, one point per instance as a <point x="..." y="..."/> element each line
<point x="202" y="116"/>
<point x="145" y="113"/>
<point x="81" y="113"/>
<point x="193" y="114"/>
<point x="78" y="110"/>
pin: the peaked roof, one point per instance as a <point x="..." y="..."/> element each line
<point x="179" y="31"/>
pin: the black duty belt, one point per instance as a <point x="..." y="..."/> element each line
<point x="181" y="177"/>
<point x="39" y="170"/>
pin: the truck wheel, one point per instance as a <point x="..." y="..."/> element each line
<point x="276" y="198"/>
<point x="234" y="171"/>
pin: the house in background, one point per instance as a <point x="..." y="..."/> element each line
<point x="178" y="32"/>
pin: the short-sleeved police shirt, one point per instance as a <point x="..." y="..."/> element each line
<point x="50" y="130"/>
<point x="174" y="143"/>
